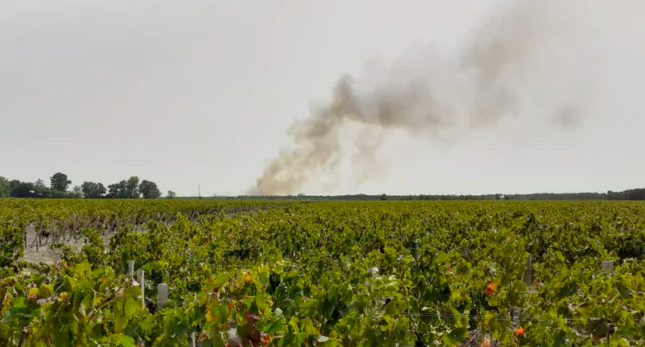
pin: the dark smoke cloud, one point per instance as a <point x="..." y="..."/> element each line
<point x="433" y="96"/>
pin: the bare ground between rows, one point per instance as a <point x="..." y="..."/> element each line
<point x="37" y="249"/>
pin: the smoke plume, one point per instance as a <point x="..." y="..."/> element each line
<point x="500" y="73"/>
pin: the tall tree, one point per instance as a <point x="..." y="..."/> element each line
<point x="149" y="190"/>
<point x="59" y="182"/>
<point x="13" y="184"/>
<point x="124" y="189"/>
<point x="117" y="190"/>
<point x="171" y="194"/>
<point x="132" y="188"/>
<point x="92" y="190"/>
<point x="22" y="189"/>
<point x="5" y="190"/>
<point x="76" y="193"/>
<point x="41" y="190"/>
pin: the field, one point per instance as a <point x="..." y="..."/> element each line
<point x="353" y="274"/>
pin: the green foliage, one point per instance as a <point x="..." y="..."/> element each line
<point x="329" y="274"/>
<point x="93" y="190"/>
<point x="149" y="190"/>
<point x="22" y="189"/>
<point x="41" y="190"/>
<point x="76" y="193"/>
<point x="11" y="240"/>
<point x="5" y="189"/>
<point x="132" y="189"/>
<point x="68" y="306"/>
<point x="59" y="182"/>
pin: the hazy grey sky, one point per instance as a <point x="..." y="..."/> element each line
<point x="201" y="92"/>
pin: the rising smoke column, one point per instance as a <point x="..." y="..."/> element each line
<point x="433" y="96"/>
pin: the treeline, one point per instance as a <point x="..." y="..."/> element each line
<point x="59" y="185"/>
<point x="630" y="194"/>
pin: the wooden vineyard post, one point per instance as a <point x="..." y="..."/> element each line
<point x="162" y="295"/>
<point x="141" y="280"/>
<point x="416" y="249"/>
<point x="25" y="232"/>
<point x="528" y="272"/>
<point x="131" y="268"/>
<point x="192" y="336"/>
<point x="607" y="265"/>
<point x="465" y="252"/>
<point x="142" y="283"/>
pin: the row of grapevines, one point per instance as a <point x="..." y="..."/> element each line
<point x="348" y="274"/>
<point x="56" y="220"/>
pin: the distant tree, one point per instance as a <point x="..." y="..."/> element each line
<point x="13" y="184"/>
<point x="5" y="190"/>
<point x="22" y="189"/>
<point x="383" y="197"/>
<point x="117" y="190"/>
<point x="41" y="190"/>
<point x="59" y="182"/>
<point x="59" y="195"/>
<point x="100" y="190"/>
<point x="132" y="188"/>
<point x="113" y="190"/>
<point x="92" y="190"/>
<point x="40" y="183"/>
<point x="124" y="189"/>
<point x="171" y="194"/>
<point x="149" y="190"/>
<point x="76" y="193"/>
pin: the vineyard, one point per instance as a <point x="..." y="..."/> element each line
<point x="131" y="273"/>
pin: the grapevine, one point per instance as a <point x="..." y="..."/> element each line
<point x="354" y="274"/>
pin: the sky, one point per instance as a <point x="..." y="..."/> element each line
<point x="192" y="92"/>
